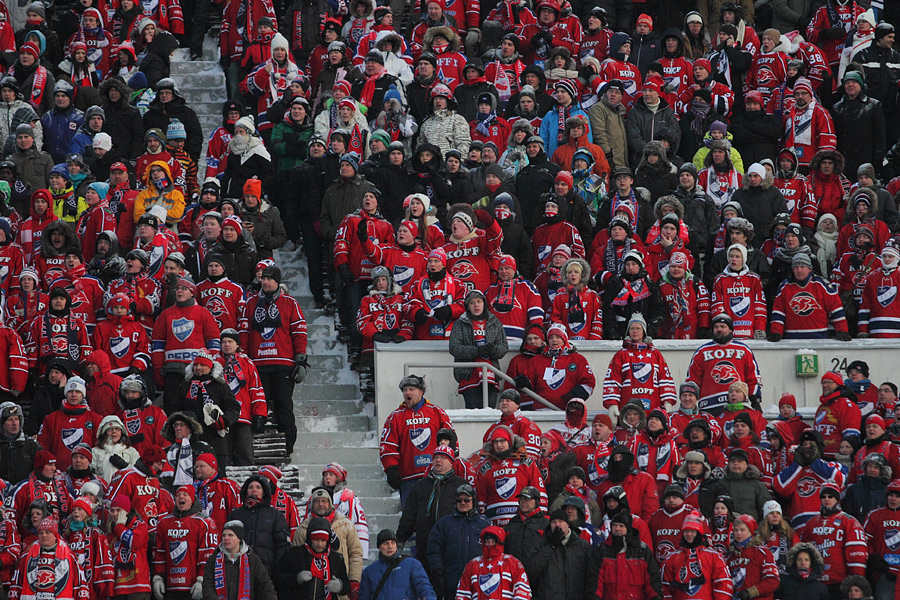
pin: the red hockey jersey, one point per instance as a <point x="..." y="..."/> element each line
<point x="841" y="541"/>
<point x="879" y="316"/>
<point x="406" y="267"/>
<point x="268" y="346"/>
<point x="243" y="379"/>
<point x="554" y="376"/>
<point x="687" y="307"/>
<point x="125" y="342"/>
<point x="806" y="310"/>
<point x="754" y="567"/>
<point x="498" y="484"/>
<point x="180" y="334"/>
<point x="224" y="299"/>
<point x="91" y="551"/>
<point x="67" y="427"/>
<point x="883" y="534"/>
<point x="740" y="296"/>
<point x="409" y="438"/>
<point x="469" y="259"/>
<point x="802" y="485"/>
<point x="591" y="327"/>
<point x="638" y="371"/>
<point x="350" y="251"/>
<point x="181" y="550"/>
<point x="665" y="529"/>
<point x="548" y="236"/>
<point x="517" y="304"/>
<point x="428" y="295"/>
<point x="714" y="367"/>
<point x="836" y="417"/>
<point x="699" y="573"/>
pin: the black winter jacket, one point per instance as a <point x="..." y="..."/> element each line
<point x="415" y="517"/>
<point x="260" y="585"/>
<point x="298" y="558"/>
<point x="615" y="318"/>
<point x="517" y="243"/>
<point x="756" y="135"/>
<point x="642" y="125"/>
<point x="524" y="534"/>
<point x="860" y="129"/>
<point x="701" y="217"/>
<point x="760" y="205"/>
<point x="265" y="529"/>
<point x="864" y="496"/>
<point x="562" y="571"/>
<point x="532" y="182"/>
<point x="123" y="122"/>
<point x="240" y="260"/>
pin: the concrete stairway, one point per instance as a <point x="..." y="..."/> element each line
<point x="334" y="424"/>
<point x="202" y="83"/>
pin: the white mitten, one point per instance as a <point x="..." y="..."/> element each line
<point x="613" y="412"/>
<point x="159" y="587"/>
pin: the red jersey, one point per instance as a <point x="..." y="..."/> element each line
<point x="498" y="484"/>
<point x="806" y="310"/>
<point x="638" y="371"/>
<point x="836" y="418"/>
<point x="555" y="375"/>
<point x="841" y="541"/>
<point x="181" y="550"/>
<point x="224" y="299"/>
<point x="180" y="333"/>
<point x="523" y="427"/>
<point x="469" y="259"/>
<point x="740" y="296"/>
<point x="714" y="367"/>
<point x="218" y="497"/>
<point x="67" y="427"/>
<point x="147" y="499"/>
<point x="687" y="307"/>
<point x="428" y="295"/>
<point x="802" y="204"/>
<point x="593" y="457"/>
<point x="548" y="236"/>
<point x="91" y="550"/>
<point x="517" y="304"/>
<point x="243" y="380"/>
<point x="409" y="438"/>
<point x="144" y="426"/>
<point x="665" y="528"/>
<point x="591" y="305"/>
<point x="406" y="267"/>
<point x="350" y="251"/>
<point x="878" y="315"/>
<point x="128" y="543"/>
<point x="883" y="535"/>
<point x="125" y="342"/>
<point x="699" y="573"/>
<point x="802" y="485"/>
<point x="265" y="346"/>
<point x="143" y="291"/>
<point x="754" y="567"/>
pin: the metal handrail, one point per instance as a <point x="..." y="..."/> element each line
<point x="484" y="381"/>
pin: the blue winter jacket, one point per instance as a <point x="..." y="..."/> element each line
<point x="550" y="127"/>
<point x="406" y="582"/>
<point x="60" y="128"/>
<point x="453" y="542"/>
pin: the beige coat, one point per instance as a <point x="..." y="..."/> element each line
<point x="608" y="130"/>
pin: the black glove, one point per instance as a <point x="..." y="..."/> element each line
<point x="224" y="62"/>
<point x="522" y="382"/>
<point x="485" y="350"/>
<point x="774" y="337"/>
<point x="362" y="230"/>
<point x="421" y="316"/>
<point x="804" y="456"/>
<point x="397" y="338"/>
<point x="485" y="217"/>
<point x="382" y="336"/>
<point x="346" y="273"/>
<point x="437" y="578"/>
<point x="117" y="461"/>
<point x="743" y="595"/>
<point x="540" y="43"/>
<point x="834" y="33"/>
<point x="556" y="537"/>
<point x="134" y="371"/>
<point x="704" y="333"/>
<point x="259" y="423"/>
<point x="443" y="313"/>
<point x="133" y="308"/>
<point x="842" y="336"/>
<point x="653" y="329"/>
<point x="393" y="477"/>
<point x="136" y="438"/>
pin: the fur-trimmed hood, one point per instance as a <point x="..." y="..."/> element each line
<point x="565" y="53"/>
<point x="858" y="581"/>
<point x="818" y="565"/>
<point x="869" y="194"/>
<point x="630" y="405"/>
<point x="656" y="147"/>
<point x="217" y="373"/>
<point x="168" y="430"/>
<point x="668" y="201"/>
<point x="389" y="37"/>
<point x="124" y="92"/>
<point x="70" y="240"/>
<point x="370" y="8"/>
<point x="585" y="270"/>
<point x="517" y="447"/>
<point x="724" y="145"/>
<point x="834" y="155"/>
<point x="446" y="32"/>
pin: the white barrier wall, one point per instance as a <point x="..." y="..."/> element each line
<point x="777" y="366"/>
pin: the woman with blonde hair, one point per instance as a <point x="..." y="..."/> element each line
<point x="776" y="534"/>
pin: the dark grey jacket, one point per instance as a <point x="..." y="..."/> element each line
<point x="562" y="571"/>
<point x="462" y="342"/>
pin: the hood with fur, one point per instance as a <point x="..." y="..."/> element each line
<point x="668" y="201"/>
<point x="834" y="155"/>
<point x="818" y="565"/>
<point x="217" y="373"/>
<point x="124" y="92"/>
<point x="451" y="36"/>
<point x="585" y="269"/>
<point x="168" y="430"/>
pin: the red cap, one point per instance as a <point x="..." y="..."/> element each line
<point x="603" y="418"/>
<point x="186" y="282"/>
<point x="749" y="521"/>
<point x="202" y="359"/>
<point x="693" y="521"/>
<point x="31" y="48"/>
<point x="119" y="299"/>
<point x="49" y="524"/>
<point x="84" y="505"/>
<point x="755" y="96"/>
<point x="832" y="376"/>
<point x="562" y="250"/>
<point x="153" y="454"/>
<point x="494" y="531"/>
<point x="876" y="419"/>
<point x="347" y="102"/>
<point x="272" y="473"/>
<point x="411" y="225"/>
<point x="445" y="451"/>
<point x="703" y="62"/>
<point x="233" y="221"/>
<point x="894" y="486"/>
<point x="343" y="85"/>
<point x="42" y="459"/>
<point x="654" y="83"/>
<point x="502" y="432"/>
<point x="118" y="166"/>
<point x="566" y="177"/>
<point x="208" y="457"/>
<point x="439" y="254"/>
<point x="789" y="400"/>
<point x="121" y="501"/>
<point x="645" y="20"/>
<point x="507" y="261"/>
<point x="189" y="490"/>
<point x="337" y="469"/>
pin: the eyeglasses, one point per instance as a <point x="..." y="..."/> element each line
<point x="463" y="500"/>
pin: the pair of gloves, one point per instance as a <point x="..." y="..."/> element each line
<point x="441" y="313"/>
<point x="389" y="335"/>
<point x="159" y="588"/>
<point x="300" y="367"/>
<point x="334" y="586"/>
